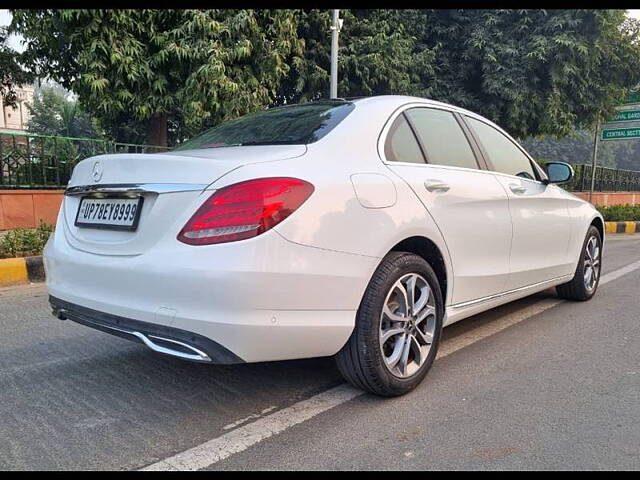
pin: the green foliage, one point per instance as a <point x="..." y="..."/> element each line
<point x="200" y="66"/>
<point x="532" y="71"/>
<point x="535" y="72"/>
<point x="620" y="213"/>
<point x="22" y="242"/>
<point x="12" y="74"/>
<point x="577" y="148"/>
<point x="379" y="55"/>
<point x="52" y="113"/>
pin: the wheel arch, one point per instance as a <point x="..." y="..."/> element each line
<point x="428" y="250"/>
<point x="599" y="224"/>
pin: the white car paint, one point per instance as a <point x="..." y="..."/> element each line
<point x="293" y="291"/>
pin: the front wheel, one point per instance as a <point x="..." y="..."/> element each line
<point x="398" y="327"/>
<point x="585" y="281"/>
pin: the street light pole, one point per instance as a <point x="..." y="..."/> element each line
<point x="335" y="29"/>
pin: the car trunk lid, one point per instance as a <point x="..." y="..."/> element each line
<point x="170" y="184"/>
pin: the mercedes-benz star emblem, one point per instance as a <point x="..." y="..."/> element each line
<point x="97" y="171"/>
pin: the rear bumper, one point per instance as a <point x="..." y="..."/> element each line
<point x="162" y="339"/>
<point x="261" y="299"/>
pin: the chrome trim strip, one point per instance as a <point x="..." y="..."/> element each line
<point x="198" y="355"/>
<point x="509" y="292"/>
<point x="135" y="188"/>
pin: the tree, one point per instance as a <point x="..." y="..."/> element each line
<point x="378" y="55"/>
<point x="11" y="72"/>
<point x="532" y="71"/>
<point x="535" y="71"/>
<point x="52" y="113"/>
<point x="166" y="74"/>
<point x="578" y="149"/>
<point x="157" y="65"/>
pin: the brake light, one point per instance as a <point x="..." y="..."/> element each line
<point x="245" y="210"/>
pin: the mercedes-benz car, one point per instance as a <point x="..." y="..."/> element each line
<point x="356" y="228"/>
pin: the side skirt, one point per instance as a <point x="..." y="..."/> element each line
<point x="463" y="310"/>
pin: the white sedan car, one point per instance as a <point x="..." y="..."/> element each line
<point x="350" y="228"/>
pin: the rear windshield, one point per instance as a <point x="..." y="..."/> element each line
<point x="291" y="125"/>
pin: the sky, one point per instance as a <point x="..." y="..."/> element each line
<point x="14" y="41"/>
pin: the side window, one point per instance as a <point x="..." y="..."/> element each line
<point x="503" y="153"/>
<point x="401" y="144"/>
<point x="442" y="138"/>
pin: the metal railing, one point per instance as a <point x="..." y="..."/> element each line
<point x="606" y="180"/>
<point x="30" y="160"/>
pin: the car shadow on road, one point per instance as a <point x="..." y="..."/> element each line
<point x="81" y="390"/>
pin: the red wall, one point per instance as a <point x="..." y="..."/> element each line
<point x="611" y="198"/>
<point x="25" y="208"/>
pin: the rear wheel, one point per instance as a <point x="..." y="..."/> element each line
<point x="587" y="276"/>
<point x="398" y="327"/>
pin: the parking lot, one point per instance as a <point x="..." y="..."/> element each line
<point x="536" y="384"/>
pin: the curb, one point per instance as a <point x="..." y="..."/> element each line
<point x="16" y="271"/>
<point x="622" y="227"/>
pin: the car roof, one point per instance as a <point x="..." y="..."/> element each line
<point x="399" y="100"/>
<point x="392" y="101"/>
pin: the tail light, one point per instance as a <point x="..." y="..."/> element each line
<point x="245" y="210"/>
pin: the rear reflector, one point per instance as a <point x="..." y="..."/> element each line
<point x="245" y="210"/>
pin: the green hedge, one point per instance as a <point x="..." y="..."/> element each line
<point x="23" y="242"/>
<point x="620" y="213"/>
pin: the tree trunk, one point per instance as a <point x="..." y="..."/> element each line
<point x="157" y="130"/>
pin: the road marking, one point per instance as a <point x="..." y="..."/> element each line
<point x="513" y="318"/>
<point x="608" y="277"/>
<point x="250" y="417"/>
<point x="240" y="439"/>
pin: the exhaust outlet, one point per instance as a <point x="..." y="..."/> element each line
<point x="60" y="313"/>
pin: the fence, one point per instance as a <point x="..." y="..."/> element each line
<point x="45" y="161"/>
<point x="607" y="180"/>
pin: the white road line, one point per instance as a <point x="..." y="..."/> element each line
<point x="619" y="273"/>
<point x="250" y="417"/>
<point x="238" y="440"/>
<point x="500" y="324"/>
<point x="242" y="438"/>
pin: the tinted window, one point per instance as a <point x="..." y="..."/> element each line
<point x="503" y="153"/>
<point x="401" y="144"/>
<point x="442" y="138"/>
<point x="295" y="124"/>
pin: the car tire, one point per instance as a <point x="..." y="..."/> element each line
<point x="367" y="362"/>
<point x="581" y="288"/>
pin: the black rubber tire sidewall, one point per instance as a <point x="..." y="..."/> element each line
<point x="575" y="289"/>
<point x="378" y="378"/>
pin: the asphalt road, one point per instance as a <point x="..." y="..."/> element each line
<point x="536" y="384"/>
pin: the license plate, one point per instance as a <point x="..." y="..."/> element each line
<point x="115" y="213"/>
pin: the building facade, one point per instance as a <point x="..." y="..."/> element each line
<point x="17" y="118"/>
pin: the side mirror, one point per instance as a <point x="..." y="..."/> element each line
<point x="559" y="172"/>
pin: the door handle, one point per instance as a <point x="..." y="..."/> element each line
<point x="518" y="189"/>
<point x="436" y="186"/>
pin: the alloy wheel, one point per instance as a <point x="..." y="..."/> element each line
<point x="591" y="263"/>
<point x="407" y="325"/>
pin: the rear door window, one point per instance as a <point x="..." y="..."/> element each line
<point x="442" y="137"/>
